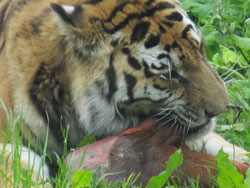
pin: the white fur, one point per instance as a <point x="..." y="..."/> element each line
<point x="34" y="162"/>
<point x="107" y="116"/>
<point x="150" y="57"/>
<point x="107" y="112"/>
<point x="29" y="160"/>
<point x="211" y="143"/>
<point x="34" y="121"/>
<point x="68" y="9"/>
<point x="195" y="32"/>
<point x="63" y="27"/>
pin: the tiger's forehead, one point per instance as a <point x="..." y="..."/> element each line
<point x="152" y="16"/>
<point x="117" y="13"/>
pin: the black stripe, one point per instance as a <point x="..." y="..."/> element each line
<point x="2" y="46"/>
<point x="131" y="82"/>
<point x="161" y="28"/>
<point x="156" y="86"/>
<point x="33" y="94"/>
<point x="147" y="72"/>
<point x="126" y="51"/>
<point x="167" y="48"/>
<point x="174" y="45"/>
<point x="160" y="101"/>
<point x="114" y="43"/>
<point x="152" y="41"/>
<point x="134" y="63"/>
<point x="116" y="10"/>
<point x="2" y="15"/>
<point x="149" y="2"/>
<point x="160" y="6"/>
<point x="168" y="24"/>
<point x="162" y="67"/>
<point x="184" y="32"/>
<point x="111" y="78"/>
<point x="121" y="24"/>
<point x="180" y="78"/>
<point x="161" y="56"/>
<point x="145" y="89"/>
<point x="148" y="13"/>
<point x="175" y="16"/>
<point x="139" y="31"/>
<point x="93" y="2"/>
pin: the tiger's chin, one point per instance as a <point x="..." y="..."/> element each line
<point x="201" y="129"/>
<point x="187" y="130"/>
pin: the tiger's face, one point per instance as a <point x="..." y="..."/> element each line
<point x="146" y="58"/>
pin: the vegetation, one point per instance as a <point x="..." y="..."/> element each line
<point x="225" y="24"/>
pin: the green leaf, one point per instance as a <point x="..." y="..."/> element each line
<point x="81" y="179"/>
<point x="211" y="38"/>
<point x="207" y="29"/>
<point x="158" y="181"/>
<point x="241" y="42"/>
<point x="199" y="9"/>
<point x="239" y="84"/>
<point x="247" y="180"/>
<point x="216" y="59"/>
<point x="86" y="140"/>
<point x="174" y="161"/>
<point x="231" y="57"/>
<point x="228" y="176"/>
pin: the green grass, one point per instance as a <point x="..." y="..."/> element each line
<point x="225" y="25"/>
<point x="228" y="176"/>
<point x="23" y="177"/>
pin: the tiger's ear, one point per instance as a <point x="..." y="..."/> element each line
<point x="67" y="15"/>
<point x="84" y="36"/>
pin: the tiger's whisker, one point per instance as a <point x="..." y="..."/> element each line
<point x="228" y="70"/>
<point x="165" y="122"/>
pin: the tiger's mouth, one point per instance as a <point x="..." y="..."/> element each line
<point x="176" y="123"/>
<point x="177" y="127"/>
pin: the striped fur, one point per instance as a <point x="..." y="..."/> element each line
<point x="98" y="66"/>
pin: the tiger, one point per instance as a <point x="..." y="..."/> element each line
<point x="99" y="67"/>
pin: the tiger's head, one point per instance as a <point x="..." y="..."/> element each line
<point x="136" y="58"/>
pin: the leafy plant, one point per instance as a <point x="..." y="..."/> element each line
<point x="81" y="179"/>
<point x="222" y="22"/>
<point x="175" y="160"/>
<point x="228" y="176"/>
<point x="225" y="25"/>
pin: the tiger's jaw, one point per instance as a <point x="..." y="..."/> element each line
<point x="186" y="130"/>
<point x="175" y="123"/>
